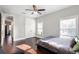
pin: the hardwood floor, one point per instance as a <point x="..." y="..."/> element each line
<point x="42" y="52"/>
<point x="28" y="49"/>
<point x="26" y="46"/>
<point x="24" y="49"/>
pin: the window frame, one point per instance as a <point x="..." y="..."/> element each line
<point x="70" y="17"/>
<point x="38" y="29"/>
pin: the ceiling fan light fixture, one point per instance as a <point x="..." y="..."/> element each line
<point x="35" y="12"/>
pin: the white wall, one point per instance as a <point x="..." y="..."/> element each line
<point x="19" y="24"/>
<point x="51" y="21"/>
<point x="19" y="27"/>
<point x="24" y="27"/>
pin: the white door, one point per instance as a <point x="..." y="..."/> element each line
<point x="29" y="27"/>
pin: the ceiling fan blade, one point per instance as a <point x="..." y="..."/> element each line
<point x="38" y="12"/>
<point x="28" y="10"/>
<point x="41" y="9"/>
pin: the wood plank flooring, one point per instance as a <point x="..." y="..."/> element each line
<point x="25" y="46"/>
<point x="28" y="49"/>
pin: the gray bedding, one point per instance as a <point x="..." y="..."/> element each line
<point x="57" y="45"/>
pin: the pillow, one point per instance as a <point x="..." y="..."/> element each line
<point x="48" y="37"/>
<point x="76" y="47"/>
<point x="69" y="37"/>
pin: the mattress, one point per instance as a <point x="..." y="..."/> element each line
<point x="57" y="45"/>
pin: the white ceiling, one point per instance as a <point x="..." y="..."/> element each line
<point x="19" y="9"/>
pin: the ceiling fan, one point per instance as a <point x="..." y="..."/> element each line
<point x="35" y="10"/>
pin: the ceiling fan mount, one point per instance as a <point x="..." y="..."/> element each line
<point x="35" y="9"/>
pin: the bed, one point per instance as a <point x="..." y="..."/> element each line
<point x="59" y="45"/>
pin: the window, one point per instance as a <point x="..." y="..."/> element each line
<point x="68" y="27"/>
<point x="39" y="28"/>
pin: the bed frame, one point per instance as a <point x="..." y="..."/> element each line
<point x="40" y="48"/>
